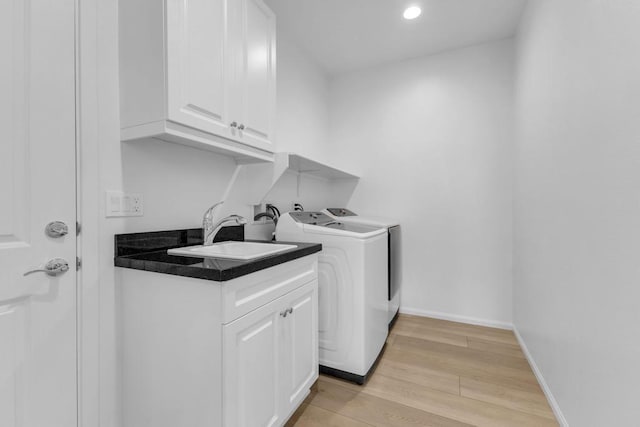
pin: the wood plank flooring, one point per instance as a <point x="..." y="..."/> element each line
<point x="435" y="373"/>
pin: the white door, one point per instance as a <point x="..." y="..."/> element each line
<point x="198" y="67"/>
<point x="37" y="186"/>
<point x="300" y="344"/>
<point x="251" y="374"/>
<point x="254" y="51"/>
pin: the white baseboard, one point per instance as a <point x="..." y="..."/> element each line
<point x="545" y="387"/>
<point x="456" y="318"/>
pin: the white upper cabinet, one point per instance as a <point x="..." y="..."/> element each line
<point x="201" y="74"/>
<point x="254" y="94"/>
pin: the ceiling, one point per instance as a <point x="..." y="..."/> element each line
<point x="345" y="35"/>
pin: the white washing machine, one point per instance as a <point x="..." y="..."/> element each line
<point x="352" y="290"/>
<point x="393" y="227"/>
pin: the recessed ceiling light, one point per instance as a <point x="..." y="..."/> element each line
<point x="412" y="12"/>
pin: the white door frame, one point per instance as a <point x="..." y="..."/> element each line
<point x="97" y="403"/>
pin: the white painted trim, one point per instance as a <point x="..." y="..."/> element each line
<point x="86" y="196"/>
<point x="457" y="318"/>
<point x="97" y="393"/>
<point x="545" y="387"/>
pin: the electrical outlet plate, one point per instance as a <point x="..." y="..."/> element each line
<point x="120" y="204"/>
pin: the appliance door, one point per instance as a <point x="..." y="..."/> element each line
<point x="394" y="262"/>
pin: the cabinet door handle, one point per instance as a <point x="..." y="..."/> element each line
<point x="233" y="124"/>
<point x="286" y="311"/>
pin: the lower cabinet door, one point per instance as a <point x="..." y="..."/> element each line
<point x="270" y="359"/>
<point x="252" y="368"/>
<point x="300" y="346"/>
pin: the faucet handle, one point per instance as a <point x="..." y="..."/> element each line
<point x="240" y="220"/>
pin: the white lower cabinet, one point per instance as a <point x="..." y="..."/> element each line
<point x="270" y="360"/>
<point x="197" y="353"/>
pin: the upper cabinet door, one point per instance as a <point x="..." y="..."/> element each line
<point x="199" y="70"/>
<point x="256" y="74"/>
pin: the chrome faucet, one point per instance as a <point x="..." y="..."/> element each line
<point x="210" y="229"/>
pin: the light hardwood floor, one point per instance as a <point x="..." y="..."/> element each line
<point x="435" y="373"/>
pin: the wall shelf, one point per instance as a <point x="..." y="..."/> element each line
<point x="304" y="165"/>
<point x="253" y="181"/>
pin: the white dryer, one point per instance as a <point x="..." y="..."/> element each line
<point x="393" y="247"/>
<point x="352" y="290"/>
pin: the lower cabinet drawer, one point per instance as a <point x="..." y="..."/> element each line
<point x="244" y="294"/>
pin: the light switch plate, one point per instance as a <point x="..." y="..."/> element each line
<point x="120" y="204"/>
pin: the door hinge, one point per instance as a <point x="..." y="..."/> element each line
<point x="78" y="228"/>
<point x="78" y="263"/>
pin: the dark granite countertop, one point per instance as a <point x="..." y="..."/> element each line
<point x="148" y="252"/>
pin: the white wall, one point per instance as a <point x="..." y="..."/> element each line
<point x="577" y="210"/>
<point x="303" y="101"/>
<point x="303" y="128"/>
<point x="432" y="138"/>
<point x="313" y="193"/>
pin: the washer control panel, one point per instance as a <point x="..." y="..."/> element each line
<point x="313" y="218"/>
<point x="340" y="212"/>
